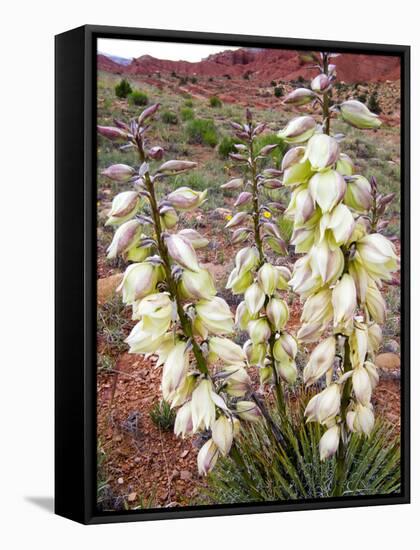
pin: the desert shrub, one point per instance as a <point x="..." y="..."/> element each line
<point x="186" y="113"/>
<point x="173" y="74"/>
<point x="226" y="146"/>
<point x="183" y="80"/>
<point x="214" y="101"/>
<point x="138" y="98"/>
<point x="278" y="91"/>
<point x="210" y="79"/>
<point x="227" y="76"/>
<point x="247" y="75"/>
<point x="188" y="102"/>
<point x="162" y="415"/>
<point x="201" y="131"/>
<point x="169" y="117"/>
<point x="123" y="89"/>
<point x="373" y="103"/>
<point x="273" y="83"/>
<point x="194" y="80"/>
<point x="268" y="470"/>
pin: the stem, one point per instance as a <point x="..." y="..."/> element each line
<point x="326" y="100"/>
<point x="163" y="252"/>
<point x="340" y="473"/>
<point x="258" y="241"/>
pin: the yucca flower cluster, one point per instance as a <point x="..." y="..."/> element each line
<point x="343" y="267"/>
<point x="180" y="319"/>
<point x="263" y="313"/>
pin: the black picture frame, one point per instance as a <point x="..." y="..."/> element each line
<point x="75" y="272"/>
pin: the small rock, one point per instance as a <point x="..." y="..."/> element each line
<point x="184" y="453"/>
<point x="185" y="475"/>
<point x="132" y="497"/>
<point x="120" y="481"/>
<point x="107" y="287"/>
<point x="392" y="346"/>
<point x="388" y="361"/>
<point x="220" y="214"/>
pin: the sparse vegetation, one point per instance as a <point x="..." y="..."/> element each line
<point x="162" y="415"/>
<point x="138" y="98"/>
<point x="202" y="131"/>
<point x="168" y="117"/>
<point x="278" y="91"/>
<point x="215" y="101"/>
<point x="186" y="113"/>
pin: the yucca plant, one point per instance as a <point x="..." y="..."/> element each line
<point x="293" y="470"/>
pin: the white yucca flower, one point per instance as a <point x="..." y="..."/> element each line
<point x="329" y="442"/>
<point x="175" y="369"/>
<point x="254" y="298"/>
<point x="215" y="315"/>
<point x="344" y="301"/>
<point x="222" y="432"/>
<point x="324" y="406"/>
<point x="207" y="457"/>
<point x="229" y="352"/>
<point x="320" y="361"/>
<point x="327" y="189"/>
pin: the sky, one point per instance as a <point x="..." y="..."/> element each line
<point x="161" y="50"/>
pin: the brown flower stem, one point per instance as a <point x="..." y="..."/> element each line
<point x="258" y="242"/>
<point x="166" y="263"/>
<point x="340" y="473"/>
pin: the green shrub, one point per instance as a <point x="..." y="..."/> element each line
<point x="138" y="98"/>
<point x="168" y="117"/>
<point x="266" y="470"/>
<point x="186" y="113"/>
<point x="123" y="89"/>
<point x="162" y="415"/>
<point x="273" y="83"/>
<point x="201" y="131"/>
<point x="278" y="91"/>
<point x="194" y="80"/>
<point x="188" y="103"/>
<point x="226" y="146"/>
<point x="373" y="103"/>
<point x="214" y="101"/>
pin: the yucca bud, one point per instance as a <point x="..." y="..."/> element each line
<point x="298" y="173"/>
<point x="358" y="115"/>
<point x="344" y="165"/>
<point x="374" y="338"/>
<point x="182" y="252"/>
<point x="176" y="166"/>
<point x="227" y="351"/>
<point x="277" y="244"/>
<point x="119" y="172"/>
<point x="328" y="444"/>
<point x="242" y="316"/>
<point x="193" y="237"/>
<point x="285" y="348"/>
<point x="248" y="410"/>
<point x="142" y="341"/>
<point x="125" y="237"/>
<point x="185" y="199"/>
<point x="378" y="256"/>
<point x="139" y="280"/>
<point x="148" y="112"/>
<point x="327" y="189"/>
<point x="235" y="183"/>
<point x="298" y="130"/>
<point x="184" y="391"/>
<point x="361" y="385"/>
<point x="326" y="263"/>
<point x="358" y="194"/>
<point x="237" y="380"/>
<point x="361" y="419"/>
<point x="156" y="310"/>
<point x="124" y="206"/>
<point x="168" y="217"/>
<point x="322" y="152"/>
<point x="237" y="219"/>
<point x="254" y="298"/>
<point x="292" y="157"/>
<point x="246" y="259"/>
<point x="255" y="353"/>
<point x="283" y="277"/>
<point x="300" y="96"/>
<point x="267" y="149"/>
<point x="266" y="375"/>
<point x="360" y="277"/>
<point x="183" y="421"/>
<point x="358" y="341"/>
<point x="318" y="308"/>
<point x="222" y="434"/>
<point x="259" y="331"/>
<point x="344" y="301"/>
<point x="207" y="457"/>
<point x="277" y="313"/>
<point x="320" y="361"/>
<point x="244" y="198"/>
<point x="372" y="373"/>
<point x="324" y="406"/>
<point x="156" y="153"/>
<point x="137" y="253"/>
<point x="239" y="283"/>
<point x="215" y="315"/>
<point x="301" y="206"/>
<point x="267" y="278"/>
<point x="287" y="371"/>
<point x="174" y="369"/>
<point x="240" y="235"/>
<point x="310" y="332"/>
<point x="203" y="406"/>
<point x="197" y="285"/>
<point x="112" y="133"/>
<point x="321" y="84"/>
<point x="340" y="222"/>
<point x="375" y="303"/>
